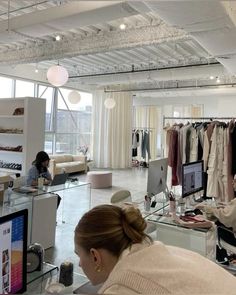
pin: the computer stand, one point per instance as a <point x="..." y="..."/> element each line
<point x="188" y="202"/>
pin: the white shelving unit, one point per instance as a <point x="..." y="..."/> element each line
<point x="32" y="125"/>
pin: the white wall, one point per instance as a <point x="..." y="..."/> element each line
<point x="227" y="107"/>
<point x="222" y="105"/>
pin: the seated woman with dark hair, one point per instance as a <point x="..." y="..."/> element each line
<point x="114" y="250"/>
<point x="40" y="169"/>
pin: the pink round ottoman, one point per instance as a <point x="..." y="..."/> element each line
<point x="99" y="179"/>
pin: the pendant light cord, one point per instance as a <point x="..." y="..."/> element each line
<point x="8" y="16"/>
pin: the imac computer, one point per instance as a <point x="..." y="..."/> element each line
<point x="192" y="178"/>
<point x="13" y="247"/>
<point x="157" y="175"/>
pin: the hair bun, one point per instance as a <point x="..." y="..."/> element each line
<point x="133" y="224"/>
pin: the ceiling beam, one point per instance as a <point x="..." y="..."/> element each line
<point x="55" y="14"/>
<point x="97" y="43"/>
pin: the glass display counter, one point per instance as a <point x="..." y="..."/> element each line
<point x="42" y="208"/>
<point x="200" y="240"/>
<point x="37" y="281"/>
<point x="160" y="205"/>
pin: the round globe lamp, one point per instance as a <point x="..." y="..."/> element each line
<point x="109" y="103"/>
<point x="57" y="75"/>
<point x="74" y="97"/>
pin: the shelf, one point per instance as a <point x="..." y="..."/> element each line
<point x="11" y="152"/>
<point x="11" y="134"/>
<point x="11" y="117"/>
<point x="10" y="170"/>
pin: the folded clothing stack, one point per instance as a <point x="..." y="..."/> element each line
<point x="13" y="166"/>
<point x="11" y="130"/>
<point x="18" y="148"/>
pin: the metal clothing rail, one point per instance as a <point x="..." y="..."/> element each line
<point x="195" y="118"/>
<point x="142" y="128"/>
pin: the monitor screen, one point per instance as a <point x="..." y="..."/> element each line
<point x="13" y="247"/>
<point x="157" y="174"/>
<point x="192" y="178"/>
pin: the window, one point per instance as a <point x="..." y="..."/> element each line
<point x="6" y="87"/>
<point x="47" y="93"/>
<point x="67" y="126"/>
<point x="48" y="144"/>
<point x="73" y="122"/>
<point x="24" y="88"/>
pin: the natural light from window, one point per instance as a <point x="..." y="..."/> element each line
<point x="6" y="87"/>
<point x="24" y="89"/>
<point x="84" y="104"/>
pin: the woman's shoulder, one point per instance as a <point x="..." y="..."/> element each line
<point x="32" y="168"/>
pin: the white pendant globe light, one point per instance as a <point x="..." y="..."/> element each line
<point x="74" y="97"/>
<point x="109" y="103"/>
<point x="57" y="75"/>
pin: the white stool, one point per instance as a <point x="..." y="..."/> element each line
<point x="99" y="179"/>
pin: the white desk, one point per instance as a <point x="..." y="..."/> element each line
<point x="42" y="211"/>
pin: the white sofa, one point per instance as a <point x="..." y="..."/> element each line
<point x="67" y="163"/>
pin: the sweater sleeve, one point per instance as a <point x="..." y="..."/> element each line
<point x="226" y="215"/>
<point x="32" y="175"/>
<point x="118" y="289"/>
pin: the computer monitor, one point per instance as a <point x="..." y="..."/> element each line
<point x="13" y="247"/>
<point x="157" y="174"/>
<point x="192" y="178"/>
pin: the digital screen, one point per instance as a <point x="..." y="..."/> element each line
<point x="13" y="242"/>
<point x="192" y="180"/>
<point x="157" y="174"/>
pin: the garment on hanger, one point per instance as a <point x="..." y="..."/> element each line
<point x="145" y="147"/>
<point x="135" y="142"/>
<point x="212" y="142"/>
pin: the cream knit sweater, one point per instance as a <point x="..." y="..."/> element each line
<point x="226" y="215"/>
<point x="160" y="269"/>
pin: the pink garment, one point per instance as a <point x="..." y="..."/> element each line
<point x="229" y="166"/>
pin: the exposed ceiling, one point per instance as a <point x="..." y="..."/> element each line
<point x="161" y="41"/>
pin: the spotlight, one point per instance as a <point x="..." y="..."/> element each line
<point x="217" y="80"/>
<point x="211" y="77"/>
<point x="58" y="38"/>
<point x="122" y="26"/>
<point x="36" y="70"/>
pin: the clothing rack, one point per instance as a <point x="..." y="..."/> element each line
<point x="195" y="118"/>
<point x="142" y="128"/>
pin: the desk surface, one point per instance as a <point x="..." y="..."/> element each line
<point x="38" y="280"/>
<point x="47" y="269"/>
<point x="17" y="198"/>
<point x="169" y="221"/>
